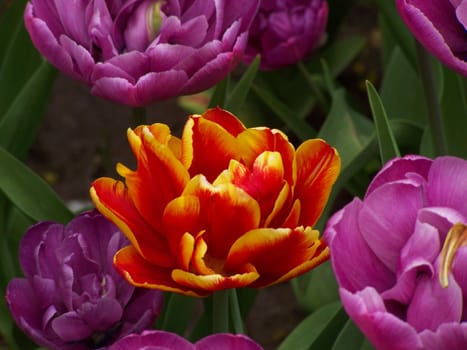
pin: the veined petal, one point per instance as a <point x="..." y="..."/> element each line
<point x="160" y="177"/>
<point x="207" y="147"/>
<point x="141" y="273"/>
<point x="318" y="166"/>
<point x="214" y="282"/>
<point x="227" y="212"/>
<point x="263" y="182"/>
<point x="111" y="198"/>
<point x="225" y="119"/>
<point x="274" y="252"/>
<point x="255" y="141"/>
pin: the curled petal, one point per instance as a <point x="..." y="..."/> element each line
<point x="214" y="282"/>
<point x="141" y="273"/>
<point x="111" y="198"/>
<point x="318" y="166"/>
<point x="268" y="250"/>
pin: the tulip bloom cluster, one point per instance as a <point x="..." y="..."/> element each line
<point x="440" y="25"/>
<point x="135" y="52"/>
<point x="72" y="298"/>
<point x="286" y="31"/>
<point x="169" y="341"/>
<point x="385" y="251"/>
<point x="222" y="207"/>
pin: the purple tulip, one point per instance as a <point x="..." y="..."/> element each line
<point x="385" y="252"/>
<point x="138" y="51"/>
<point x="286" y="31"/>
<point x="72" y="298"/>
<point x="161" y="340"/>
<point x="440" y="26"/>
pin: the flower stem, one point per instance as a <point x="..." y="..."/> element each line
<point x="236" y="315"/>
<point x="435" y="118"/>
<point x="220" y="316"/>
<point x="139" y="116"/>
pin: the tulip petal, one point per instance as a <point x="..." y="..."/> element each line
<point x="207" y="147"/>
<point x="351" y="249"/>
<point x="269" y="251"/>
<point x="111" y="198"/>
<point x="227" y="342"/>
<point x="254" y="141"/>
<point x="318" y="166"/>
<point x="384" y="330"/>
<point x="452" y="336"/>
<point x="70" y="327"/>
<point x="156" y="165"/>
<point x="435" y="25"/>
<point x="153" y="339"/>
<point x="387" y="219"/>
<point x="213" y="282"/>
<point x="141" y="273"/>
<point x="416" y="259"/>
<point x="225" y="119"/>
<point x="444" y="305"/>
<point x="226" y="213"/>
<point x="401" y="169"/>
<point x="447" y="184"/>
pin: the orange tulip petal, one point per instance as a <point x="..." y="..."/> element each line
<point x="181" y="215"/>
<point x="227" y="212"/>
<point x="213" y="282"/>
<point x="141" y="273"/>
<point x="185" y="251"/>
<point x="225" y="119"/>
<point x="274" y="252"/>
<point x="318" y="166"/>
<point x="160" y="177"/>
<point x="111" y="198"/>
<point x="255" y="141"/>
<point x="207" y="147"/>
<point x="322" y="254"/>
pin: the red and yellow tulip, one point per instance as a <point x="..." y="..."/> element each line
<point x="222" y="207"/>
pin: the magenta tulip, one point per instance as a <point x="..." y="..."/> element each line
<point x="440" y="26"/>
<point x="160" y="340"/>
<point x="138" y="51"/>
<point x="286" y="31"/>
<point x="386" y="252"/>
<point x="71" y="297"/>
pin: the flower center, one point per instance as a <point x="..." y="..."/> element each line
<point x="456" y="238"/>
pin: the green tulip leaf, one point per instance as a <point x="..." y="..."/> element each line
<point x="30" y="193"/>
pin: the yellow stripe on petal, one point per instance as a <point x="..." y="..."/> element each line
<point x="140" y="273"/>
<point x="111" y="199"/>
<point x="214" y="282"/>
<point x="318" y="166"/>
<point x="186" y="248"/>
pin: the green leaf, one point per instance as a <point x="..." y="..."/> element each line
<point x="20" y="122"/>
<point x="29" y="192"/>
<point x="398" y="29"/>
<point x="316" y="288"/>
<point x="219" y="95"/>
<point x="20" y="58"/>
<point x="300" y="127"/>
<point x="317" y="331"/>
<point x="387" y="143"/>
<point x="350" y="337"/>
<point x="402" y="91"/>
<point x="454" y="110"/>
<point x="236" y="98"/>
<point x="11" y="18"/>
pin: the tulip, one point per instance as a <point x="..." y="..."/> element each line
<point x="395" y="280"/>
<point x="161" y="340"/>
<point x="286" y="31"/>
<point x="138" y="51"/>
<point x="71" y="297"/>
<point x="439" y="25"/>
<point x="222" y="207"/>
